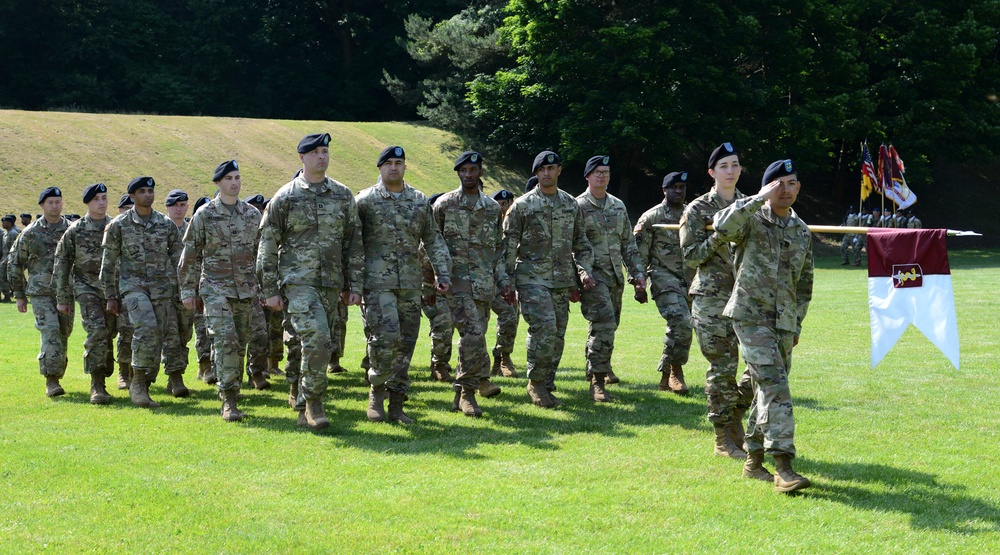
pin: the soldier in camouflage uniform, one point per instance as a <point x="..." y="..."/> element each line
<point x="713" y="284"/>
<point x="438" y="312"/>
<point x="218" y="268"/>
<point x="508" y="314"/>
<point x="396" y="221"/>
<point x="669" y="279"/>
<point x="34" y="252"/>
<point x="76" y="273"/>
<point x="546" y="251"/>
<point x="850" y="240"/>
<point x="469" y="222"/>
<point x="175" y="358"/>
<point x="774" y="280"/>
<point x="124" y="346"/>
<point x="609" y="231"/>
<point x="913" y="222"/>
<point x="10" y="233"/>
<point x="311" y="258"/>
<point x="202" y="342"/>
<point x="139" y="269"/>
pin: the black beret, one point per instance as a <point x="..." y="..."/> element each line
<point x="200" y="202"/>
<point x="49" y="192"/>
<point x="469" y="157"/>
<point x="175" y="196"/>
<point x="503" y="195"/>
<point x="390" y="152"/>
<point x="777" y="169"/>
<point x="544" y="157"/>
<point x="602" y="160"/>
<point x="312" y="142"/>
<point x="297" y="173"/>
<point x="142" y="181"/>
<point x="91" y="191"/>
<point x="532" y="181"/>
<point x="721" y="151"/>
<point x="222" y="169"/>
<point x="675" y="177"/>
<point x="25" y="215"/>
<point x="8" y="218"/>
<point x="73" y="217"/>
<point x="257" y="199"/>
<point x="434" y="198"/>
<point x="125" y="201"/>
<point x="266" y="202"/>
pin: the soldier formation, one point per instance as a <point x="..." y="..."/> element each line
<point x="245" y="276"/>
<point x="853" y="242"/>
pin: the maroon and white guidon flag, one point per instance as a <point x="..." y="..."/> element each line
<point x="909" y="281"/>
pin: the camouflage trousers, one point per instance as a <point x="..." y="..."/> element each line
<point x="4" y="282"/>
<point x="202" y="342"/>
<point x="720" y="347"/>
<point x="547" y="312"/>
<point x="675" y="309"/>
<point x="154" y="331"/>
<point x="274" y="319"/>
<point x="602" y="307"/>
<point x="313" y="314"/>
<point x="442" y="329"/>
<point x="259" y="342"/>
<point x="175" y="357"/>
<point x="470" y="317"/>
<point x="124" y="347"/>
<point x="55" y="329"/>
<point x="851" y="241"/>
<point x="228" y="324"/>
<point x="293" y="370"/>
<point x="393" y="321"/>
<point x="101" y="327"/>
<point x="768" y="353"/>
<point x="507" y="320"/>
<point x="340" y="334"/>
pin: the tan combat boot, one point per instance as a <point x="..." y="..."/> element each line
<point x="52" y="387"/>
<point x="376" y="403"/>
<point x="175" y="385"/>
<point x="735" y="428"/>
<point x="495" y="371"/>
<point x="676" y="380"/>
<point x="274" y="366"/>
<point x="293" y="394"/>
<point x="315" y="415"/>
<point x="785" y="479"/>
<point x="395" y="412"/>
<point x="334" y="367"/>
<point x="152" y="404"/>
<point x="487" y="388"/>
<point x="754" y="467"/>
<point x="259" y="382"/>
<point x="138" y="391"/>
<point x="203" y="367"/>
<point x="441" y="371"/>
<point x="467" y="402"/>
<point x="611" y="378"/>
<point x="539" y="395"/>
<point x="507" y="368"/>
<point x="665" y="381"/>
<point x="124" y="375"/>
<point x="597" y="391"/>
<point x="455" y="406"/>
<point x="724" y="446"/>
<point x="229" y="411"/>
<point x="98" y="391"/>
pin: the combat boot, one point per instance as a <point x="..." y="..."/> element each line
<point x="664" y="381"/>
<point x="735" y="428"/>
<point x="676" y="380"/>
<point x="124" y="375"/>
<point x="175" y="385"/>
<point x="138" y="392"/>
<point x="467" y="402"/>
<point x="259" y="382"/>
<point x="441" y="371"/>
<point x="487" y="388"/>
<point x="315" y="415"/>
<point x="455" y="407"/>
<point x="754" y="467"/>
<point x="550" y="386"/>
<point x="597" y="391"/>
<point x="539" y="394"/>
<point x="152" y="404"/>
<point x="396" y="413"/>
<point x="293" y="394"/>
<point x="229" y="411"/>
<point x="302" y="422"/>
<point x="785" y="479"/>
<point x="495" y="371"/>
<point x="507" y="368"/>
<point x="334" y="367"/>
<point x="376" y="403"/>
<point x="611" y="378"/>
<point x="203" y="367"/>
<point x="274" y="366"/>
<point x="52" y="387"/>
<point x="98" y="391"/>
<point x="724" y="446"/>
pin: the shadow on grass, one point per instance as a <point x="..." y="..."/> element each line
<point x="811" y="404"/>
<point x="876" y="487"/>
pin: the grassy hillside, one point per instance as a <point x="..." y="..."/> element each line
<point x="72" y="150"/>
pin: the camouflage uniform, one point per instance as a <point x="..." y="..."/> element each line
<point x="508" y="316"/>
<point x="773" y="287"/>
<point x="34" y="252"/>
<point x="442" y="330"/>
<point x="175" y="358"/>
<point x="218" y="264"/>
<point x="77" y="272"/>
<point x="139" y="269"/>
<point x="394" y="229"/>
<point x="474" y="240"/>
<point x="851" y="240"/>
<point x="6" y="242"/>
<point x="609" y="231"/>
<point x="669" y="278"/>
<point x="711" y="288"/>
<point x="546" y="248"/>
<point x="310" y="251"/>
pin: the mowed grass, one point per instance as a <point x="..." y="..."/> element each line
<point x="902" y="457"/>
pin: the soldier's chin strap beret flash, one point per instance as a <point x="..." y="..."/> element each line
<point x="222" y="169"/>
<point x="201" y="202"/>
<point x="390" y="152"/>
<point x="91" y="191"/>
<point x="49" y="192"/>
<point x="530" y="184"/>
<point x="721" y="151"/>
<point x="777" y="169"/>
<point x="175" y="196"/>
<point x="545" y="158"/>
<point x="310" y="143"/>
<point x="594" y="162"/>
<point x="675" y="177"/>
<point x="142" y="181"/>
<point x="469" y="157"/>
<point x="503" y="194"/>
<point x="124" y="201"/>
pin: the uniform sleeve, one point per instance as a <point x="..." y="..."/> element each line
<point x="500" y="276"/>
<point x="62" y="266"/>
<point x="511" y="235"/>
<point x="17" y="261"/>
<point x="436" y="248"/>
<point x="803" y="289"/>
<point x="630" y="252"/>
<point x="271" y="229"/>
<point x="109" y="260"/>
<point x="354" y="250"/>
<point x="731" y="222"/>
<point x="192" y="257"/>
<point x="697" y="243"/>
<point x="644" y="239"/>
<point x="175" y="245"/>
<point x="583" y="253"/>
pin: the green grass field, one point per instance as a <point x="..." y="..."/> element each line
<point x="902" y="457"/>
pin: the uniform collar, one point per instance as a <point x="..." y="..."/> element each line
<point x="317" y="187"/>
<point x="406" y="193"/>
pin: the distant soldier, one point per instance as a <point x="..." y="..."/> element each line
<point x="77" y="273"/>
<point x="175" y="358"/>
<point x="669" y="279"/>
<point x="25" y="220"/>
<point x="311" y="258"/>
<point x="10" y="233"/>
<point x="850" y="240"/>
<point x="437" y="309"/>
<point x="124" y="346"/>
<point x="874" y="219"/>
<point x="508" y="314"/>
<point x="899" y="219"/>
<point x="609" y="231"/>
<point x="142" y="248"/>
<point x="546" y="252"/>
<point x="217" y="268"/>
<point x="774" y="282"/>
<point x="913" y="222"/>
<point x="272" y="347"/>
<point x="34" y="252"/>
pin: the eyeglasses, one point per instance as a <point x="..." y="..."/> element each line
<point x="602" y="173"/>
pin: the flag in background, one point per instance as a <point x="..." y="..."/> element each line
<point x="904" y="197"/>
<point x="869" y="181"/>
<point x="884" y="170"/>
<point x="909" y="282"/>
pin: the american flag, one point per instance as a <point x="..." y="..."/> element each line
<point x="869" y="181"/>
